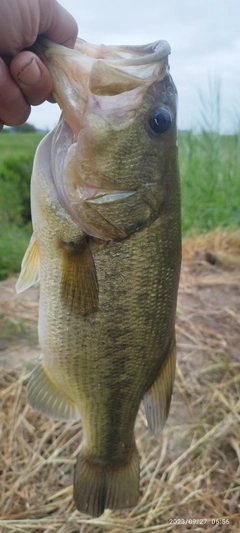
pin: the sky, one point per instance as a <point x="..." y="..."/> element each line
<point x="205" y="61"/>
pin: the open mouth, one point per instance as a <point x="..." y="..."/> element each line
<point x="89" y="73"/>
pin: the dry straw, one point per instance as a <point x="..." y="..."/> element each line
<point x="190" y="475"/>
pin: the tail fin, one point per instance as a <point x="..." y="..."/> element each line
<point x="97" y="488"/>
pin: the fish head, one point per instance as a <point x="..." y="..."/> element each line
<point x="114" y="154"/>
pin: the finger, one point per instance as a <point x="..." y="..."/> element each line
<point x="14" y="109"/>
<point x="57" y="24"/>
<point x="32" y="77"/>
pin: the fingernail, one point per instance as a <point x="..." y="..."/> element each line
<point x="30" y="74"/>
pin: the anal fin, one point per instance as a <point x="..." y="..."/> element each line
<point x="79" y="279"/>
<point x="29" y="274"/>
<point x="158" y="398"/>
<point x="45" y="396"/>
<point x="98" y="487"/>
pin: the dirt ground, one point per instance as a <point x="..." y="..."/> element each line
<point x="192" y="471"/>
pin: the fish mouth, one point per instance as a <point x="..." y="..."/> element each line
<point x="140" y="60"/>
<point x="101" y="79"/>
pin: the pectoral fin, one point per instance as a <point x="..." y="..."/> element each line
<point x="79" y="279"/>
<point x="157" y="399"/>
<point x="29" y="274"/>
<point x="44" y="395"/>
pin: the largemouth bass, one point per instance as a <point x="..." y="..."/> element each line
<point x="107" y="248"/>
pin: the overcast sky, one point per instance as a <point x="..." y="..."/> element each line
<point x="204" y="36"/>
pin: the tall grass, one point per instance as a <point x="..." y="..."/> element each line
<point x="210" y="174"/>
<point x="15" y="174"/>
<point x="210" y="169"/>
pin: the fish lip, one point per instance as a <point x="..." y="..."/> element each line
<point x="140" y="54"/>
<point x="137" y="55"/>
<point x="154" y="52"/>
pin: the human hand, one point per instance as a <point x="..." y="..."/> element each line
<point x="24" y="79"/>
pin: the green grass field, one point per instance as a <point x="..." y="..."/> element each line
<point x="16" y="156"/>
<point x="18" y="144"/>
<point x="210" y="176"/>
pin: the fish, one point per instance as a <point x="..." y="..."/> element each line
<point x="106" y="247"/>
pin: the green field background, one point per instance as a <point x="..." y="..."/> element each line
<point x="210" y="177"/>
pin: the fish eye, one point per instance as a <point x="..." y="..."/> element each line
<point x="160" y="120"/>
